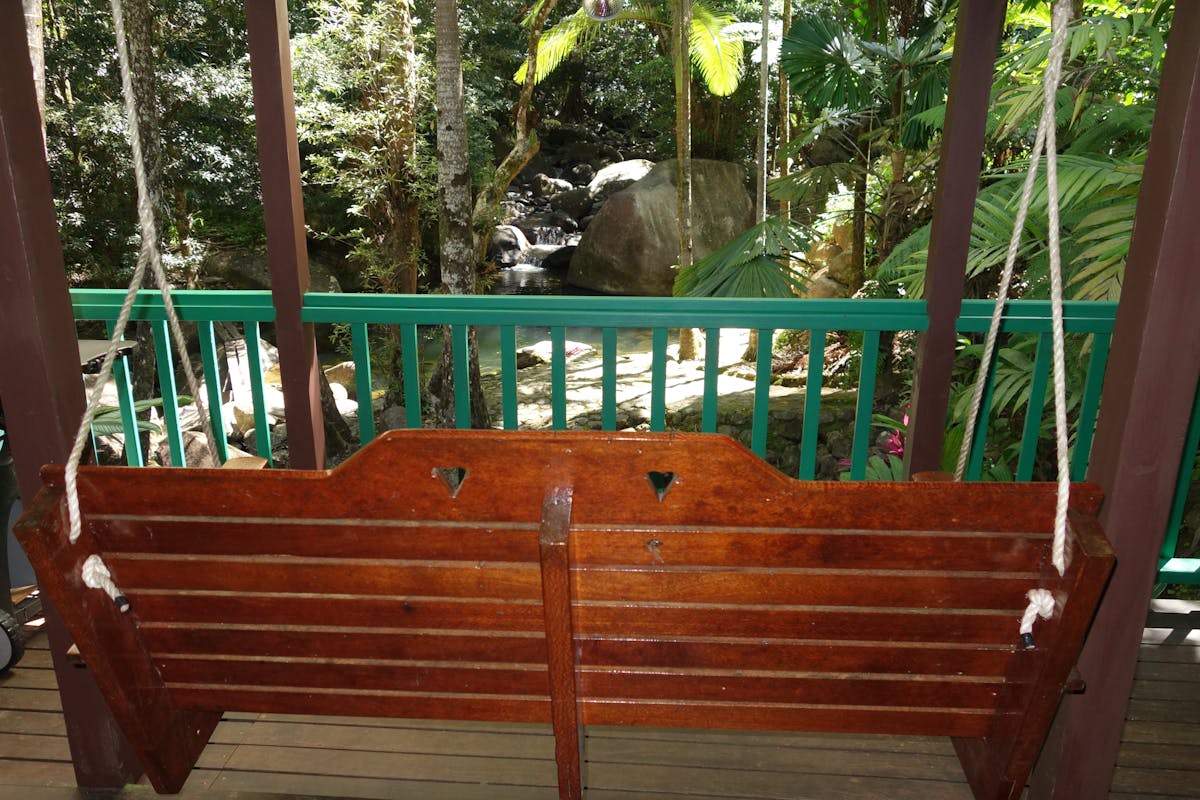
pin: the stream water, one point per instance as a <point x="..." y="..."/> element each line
<point x="531" y="278"/>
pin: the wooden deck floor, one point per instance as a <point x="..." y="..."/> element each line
<point x="256" y="757"/>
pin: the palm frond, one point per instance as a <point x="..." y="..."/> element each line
<point x="1097" y="197"/>
<point x="716" y="50"/>
<point x="813" y="185"/>
<point x="827" y="65"/>
<point x="753" y="264"/>
<point x="576" y="30"/>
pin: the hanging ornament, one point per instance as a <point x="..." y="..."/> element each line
<point x="603" y="10"/>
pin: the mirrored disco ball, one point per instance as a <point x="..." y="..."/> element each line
<point x="603" y="10"/>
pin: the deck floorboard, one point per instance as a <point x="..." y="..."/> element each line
<point x="268" y="757"/>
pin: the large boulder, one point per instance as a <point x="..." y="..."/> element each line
<point x="575" y="203"/>
<point x="507" y="245"/>
<point x="545" y="186"/>
<point x="633" y="242"/>
<point x="615" y="177"/>
<point x="247" y="268"/>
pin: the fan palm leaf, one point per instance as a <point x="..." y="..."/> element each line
<point x="828" y="66"/>
<point x="753" y="264"/>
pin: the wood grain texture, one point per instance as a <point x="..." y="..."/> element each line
<point x="166" y="738"/>
<point x="557" y="586"/>
<point x="560" y="641"/>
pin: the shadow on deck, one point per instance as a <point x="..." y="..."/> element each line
<point x="258" y="757"/>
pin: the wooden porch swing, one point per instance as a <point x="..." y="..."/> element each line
<point x="574" y="579"/>
<point x="579" y="578"/>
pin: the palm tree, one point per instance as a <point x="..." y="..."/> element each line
<point x="866" y="98"/>
<point x="454" y="197"/>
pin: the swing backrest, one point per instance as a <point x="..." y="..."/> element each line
<point x="703" y="589"/>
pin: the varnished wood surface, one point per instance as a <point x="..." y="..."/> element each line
<point x="733" y="598"/>
<point x="259" y="757"/>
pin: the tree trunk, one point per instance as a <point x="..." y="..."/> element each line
<point x="37" y="52"/>
<point x="858" y="252"/>
<point x="139" y="39"/>
<point x="683" y="152"/>
<point x="783" y="128"/>
<point x="525" y="143"/>
<point x="400" y="217"/>
<point x="454" y="194"/>
<point x="764" y="116"/>
<point x="763" y="147"/>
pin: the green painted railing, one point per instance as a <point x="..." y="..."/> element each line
<point x="508" y="319"/>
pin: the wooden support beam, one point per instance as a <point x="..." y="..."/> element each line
<point x="283" y="210"/>
<point x="560" y="641"/>
<point x="39" y="379"/>
<point x="976" y="37"/>
<point x="1148" y="393"/>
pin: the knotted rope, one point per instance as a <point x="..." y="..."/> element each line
<point x="95" y="573"/>
<point x="1045" y="141"/>
<point x="1041" y="604"/>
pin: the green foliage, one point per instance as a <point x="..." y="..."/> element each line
<point x="107" y="420"/>
<point x="865" y="100"/>
<point x="1096" y="197"/>
<point x="716" y="53"/>
<point x="828" y="67"/>
<point x="880" y="468"/>
<point x="754" y="264"/>
<point x="208" y="151"/>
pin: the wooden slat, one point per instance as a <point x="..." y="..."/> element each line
<point x="785" y="586"/>
<point x="815" y="689"/>
<point x="779" y="654"/>
<point x="342" y="538"/>
<point x="422" y="613"/>
<point x="766" y="586"/>
<point x="793" y="655"/>
<point x="334" y="576"/>
<point x="331" y="642"/>
<point x="865" y="623"/>
<point x="592" y="620"/>
<point x="701" y="545"/>
<point x="353" y="702"/>
<point x="914" y="720"/>
<point x="409" y="677"/>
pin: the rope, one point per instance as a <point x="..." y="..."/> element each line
<point x="96" y="576"/>
<point x="95" y="573"/>
<point x="1041" y="604"/>
<point x="1044" y="141"/>
<point x="1062" y="16"/>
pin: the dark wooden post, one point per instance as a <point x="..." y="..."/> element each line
<point x="283" y="210"/>
<point x="1148" y="392"/>
<point x="976" y="37"/>
<point x="39" y="371"/>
